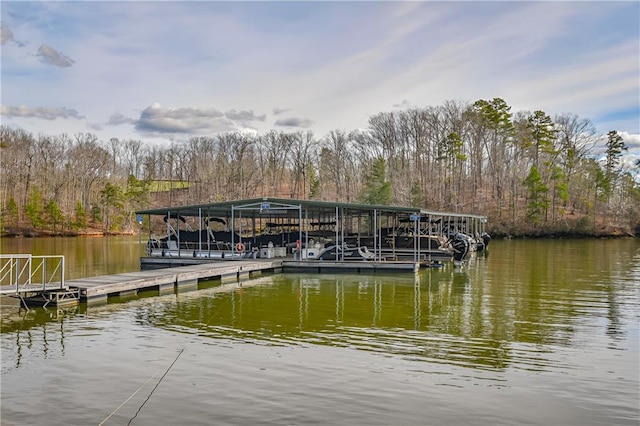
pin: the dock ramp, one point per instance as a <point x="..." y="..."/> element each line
<point x="35" y="279"/>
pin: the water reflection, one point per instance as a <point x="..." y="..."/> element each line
<point x="514" y="309"/>
<point x="84" y="256"/>
<point x="37" y="330"/>
<point x="417" y="304"/>
<point x="432" y="317"/>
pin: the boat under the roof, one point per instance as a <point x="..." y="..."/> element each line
<point x="284" y="228"/>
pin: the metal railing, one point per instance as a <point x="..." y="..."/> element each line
<point x="23" y="273"/>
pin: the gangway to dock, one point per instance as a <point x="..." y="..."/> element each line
<point x="35" y="279"/>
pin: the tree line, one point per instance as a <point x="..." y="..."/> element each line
<point x="529" y="172"/>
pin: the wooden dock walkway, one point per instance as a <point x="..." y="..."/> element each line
<point x="290" y="264"/>
<point x="166" y="275"/>
<point x="98" y="289"/>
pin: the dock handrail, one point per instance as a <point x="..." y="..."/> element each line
<point x="24" y="273"/>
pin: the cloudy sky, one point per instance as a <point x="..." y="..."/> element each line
<point x="161" y="70"/>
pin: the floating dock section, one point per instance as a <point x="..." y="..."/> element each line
<point x="328" y="266"/>
<point x="186" y="274"/>
<point x="98" y="289"/>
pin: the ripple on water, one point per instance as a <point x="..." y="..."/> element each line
<point x="524" y="338"/>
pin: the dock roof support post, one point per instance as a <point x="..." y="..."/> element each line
<point x="430" y="232"/>
<point x="342" y="233"/>
<point x="415" y="237"/>
<point x="376" y="251"/>
<point x="336" y="233"/>
<point x="208" y="235"/>
<point x="379" y="235"/>
<point x="300" y="231"/>
<point x="394" y="234"/>
<point x="239" y="230"/>
<point x="199" y="230"/>
<point x="420" y="234"/>
<point x="149" y="231"/>
<point x="306" y="231"/>
<point x="233" y="229"/>
<point x="168" y="225"/>
<point x="178" y="230"/>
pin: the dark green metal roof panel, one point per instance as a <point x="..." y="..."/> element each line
<point x="225" y="207"/>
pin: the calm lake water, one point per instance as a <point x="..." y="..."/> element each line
<point x="534" y="332"/>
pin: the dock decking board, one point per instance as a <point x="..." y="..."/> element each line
<point x="102" y="286"/>
<point x="288" y="264"/>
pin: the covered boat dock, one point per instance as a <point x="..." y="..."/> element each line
<point x="305" y="233"/>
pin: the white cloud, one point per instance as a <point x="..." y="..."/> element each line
<point x="336" y="63"/>
<point x="158" y="119"/>
<point x="244" y="116"/>
<point x="51" y="56"/>
<point x="294" y="122"/>
<point x="632" y="141"/>
<point x="5" y="34"/>
<point x="116" y="119"/>
<point x="628" y="163"/>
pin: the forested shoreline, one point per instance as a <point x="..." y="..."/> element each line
<point x="531" y="174"/>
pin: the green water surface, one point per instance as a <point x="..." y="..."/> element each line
<point x="530" y="332"/>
